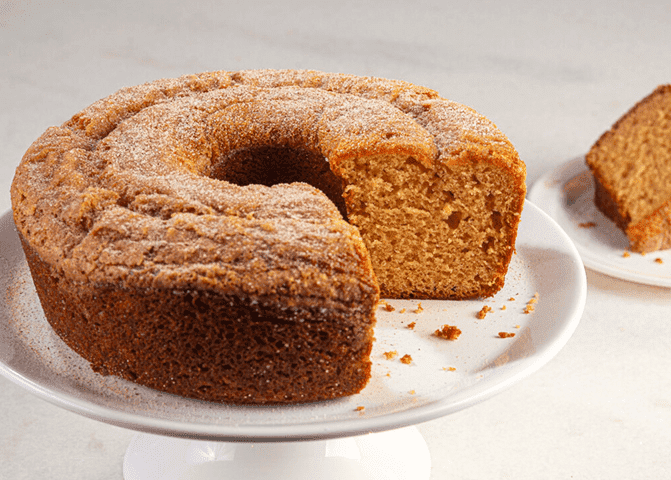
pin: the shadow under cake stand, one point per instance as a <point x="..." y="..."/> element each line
<point x="367" y="436"/>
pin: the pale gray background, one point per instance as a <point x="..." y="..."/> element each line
<point x="552" y="75"/>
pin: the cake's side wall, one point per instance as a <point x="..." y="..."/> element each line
<point x="207" y="345"/>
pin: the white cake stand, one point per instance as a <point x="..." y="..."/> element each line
<point x="366" y="436"/>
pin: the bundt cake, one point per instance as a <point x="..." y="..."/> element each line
<point x="631" y="164"/>
<point x="225" y="236"/>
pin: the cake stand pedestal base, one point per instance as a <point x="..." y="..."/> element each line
<point x="400" y="454"/>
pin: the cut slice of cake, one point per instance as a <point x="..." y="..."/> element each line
<point x="631" y="164"/>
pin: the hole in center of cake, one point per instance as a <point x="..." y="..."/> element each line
<point x="273" y="165"/>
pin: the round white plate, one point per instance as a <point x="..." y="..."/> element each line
<point x="567" y="195"/>
<point x="443" y="377"/>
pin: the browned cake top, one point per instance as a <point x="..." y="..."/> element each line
<point x="124" y="191"/>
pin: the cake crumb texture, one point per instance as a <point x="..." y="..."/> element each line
<point x="390" y="355"/>
<point x="448" y="332"/>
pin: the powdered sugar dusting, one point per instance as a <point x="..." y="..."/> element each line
<point x="451" y="123"/>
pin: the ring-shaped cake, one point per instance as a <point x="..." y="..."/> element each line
<point x="226" y="236"/>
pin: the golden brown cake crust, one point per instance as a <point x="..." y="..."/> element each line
<point x="208" y="344"/>
<point x="133" y="198"/>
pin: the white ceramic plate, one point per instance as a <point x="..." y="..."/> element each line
<point x="443" y="377"/>
<point x="567" y="195"/>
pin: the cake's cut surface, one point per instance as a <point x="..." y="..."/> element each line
<point x="192" y="234"/>
<point x="631" y="164"/>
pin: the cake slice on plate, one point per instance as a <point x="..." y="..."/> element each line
<point x="631" y="164"/>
